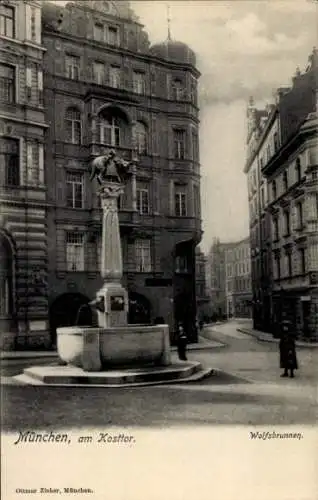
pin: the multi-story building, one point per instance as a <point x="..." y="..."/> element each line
<point x="202" y="295"/>
<point x="229" y="284"/>
<point x="106" y="87"/>
<point x="238" y="286"/>
<point x="259" y="220"/>
<point x="285" y="151"/>
<point x="216" y="278"/>
<point x="23" y="194"/>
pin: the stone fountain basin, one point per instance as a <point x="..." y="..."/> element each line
<point x="96" y="348"/>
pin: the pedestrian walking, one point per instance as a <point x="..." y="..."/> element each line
<point x="182" y="343"/>
<point x="287" y="350"/>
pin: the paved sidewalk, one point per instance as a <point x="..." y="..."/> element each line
<point x="267" y="337"/>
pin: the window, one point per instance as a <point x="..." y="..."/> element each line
<point x="298" y="170"/>
<point x="74" y="251"/>
<point x="299" y="212"/>
<point x="10" y="161"/>
<point x="195" y="146"/>
<point x="110" y="131"/>
<point x="33" y="25"/>
<point x="143" y="200"/>
<point x="99" y="33"/>
<point x="196" y="200"/>
<point x="140" y="138"/>
<point x="113" y="35"/>
<point x="276" y="229"/>
<point x="181" y="264"/>
<point x="6" y="21"/>
<point x="302" y="260"/>
<point x="29" y="82"/>
<point x="287" y="222"/>
<point x="33" y="163"/>
<point x="268" y="152"/>
<point x="72" y="67"/>
<point x="180" y="201"/>
<point x="179" y="144"/>
<point x="4" y="296"/>
<point x="277" y="266"/>
<point x="114" y="76"/>
<point x="193" y="90"/>
<point x="139" y="83"/>
<point x="7" y="83"/>
<point x="143" y="256"/>
<point x="285" y="180"/>
<point x="289" y="264"/>
<point x="41" y="164"/>
<point x="40" y="86"/>
<point x="99" y="73"/>
<point x="262" y="197"/>
<point x="274" y="190"/>
<point x="276" y="145"/>
<point x="73" y="126"/>
<point x="177" y="90"/>
<point x="74" y="190"/>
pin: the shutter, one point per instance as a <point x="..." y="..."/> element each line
<point x="156" y="195"/>
<point x="29" y="77"/>
<point x="29" y="163"/>
<point x="28" y="15"/>
<point x="126" y="76"/>
<point x="153" y="80"/>
<point x="41" y="164"/>
<point x="21" y="158"/>
<point x="154" y="136"/>
<point x="40" y="80"/>
<point x="294" y="221"/>
<point x="171" y="198"/>
<point x="38" y="25"/>
<point x="169" y="89"/>
<point x="126" y="37"/>
<point x="60" y="185"/>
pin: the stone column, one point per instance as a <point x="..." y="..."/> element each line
<point x="111" y="253"/>
<point x="114" y="308"/>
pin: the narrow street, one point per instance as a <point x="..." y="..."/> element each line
<point x="254" y="360"/>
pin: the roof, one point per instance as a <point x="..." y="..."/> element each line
<point x="173" y="50"/>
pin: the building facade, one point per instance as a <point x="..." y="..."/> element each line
<point x="238" y="286"/>
<point x="286" y="152"/>
<point x="230" y="279"/>
<point x="23" y="193"/>
<point x="216" y="279"/>
<point x="202" y="294"/>
<point x="106" y="87"/>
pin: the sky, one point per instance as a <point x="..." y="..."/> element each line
<point x="244" y="48"/>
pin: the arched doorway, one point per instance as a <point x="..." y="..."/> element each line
<point x="139" y="309"/>
<point x="7" y="278"/>
<point x="66" y="310"/>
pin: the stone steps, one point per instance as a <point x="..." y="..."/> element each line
<point x="76" y="377"/>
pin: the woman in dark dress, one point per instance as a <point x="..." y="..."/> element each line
<point x="287" y="350"/>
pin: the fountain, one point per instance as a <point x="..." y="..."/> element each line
<point x="114" y="352"/>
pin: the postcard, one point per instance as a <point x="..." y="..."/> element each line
<point x="158" y="249"/>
